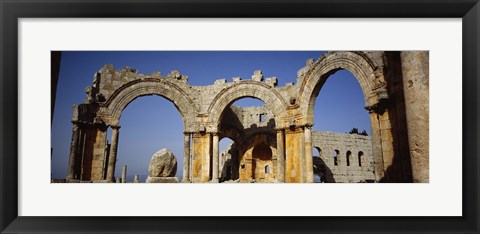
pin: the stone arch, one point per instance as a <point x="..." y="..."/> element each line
<point x="112" y="109"/>
<point x="258" y="150"/>
<point x="232" y="133"/>
<point x="357" y="63"/>
<point x="272" y="99"/>
<point x="319" y="151"/>
<point x="261" y="158"/>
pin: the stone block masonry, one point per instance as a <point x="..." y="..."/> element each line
<point x="273" y="143"/>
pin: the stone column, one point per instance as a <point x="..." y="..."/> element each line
<point x="124" y="174"/>
<point x="186" y="158"/>
<point x="415" y="65"/>
<point x="112" y="159"/>
<point x="377" y="152"/>
<point x="308" y="153"/>
<point x="135" y="179"/>
<point x="301" y="153"/>
<point x="215" y="158"/>
<point x="73" y="151"/>
<point x="280" y="156"/>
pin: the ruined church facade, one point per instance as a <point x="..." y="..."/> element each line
<point x="275" y="142"/>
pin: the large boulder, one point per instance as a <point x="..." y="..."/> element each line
<point x="163" y="164"/>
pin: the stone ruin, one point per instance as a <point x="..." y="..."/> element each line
<point x="255" y="151"/>
<point x="274" y="143"/>
<point x="162" y="168"/>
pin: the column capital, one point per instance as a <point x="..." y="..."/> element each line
<point x="379" y="107"/>
<point x="309" y="126"/>
<point x="187" y="133"/>
<point x="115" y="127"/>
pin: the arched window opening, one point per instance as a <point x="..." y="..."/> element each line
<point x="360" y="159"/>
<point x="335" y="157"/>
<point x="349" y="158"/>
<point x="267" y="169"/>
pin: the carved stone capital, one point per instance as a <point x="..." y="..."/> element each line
<point x="292" y="122"/>
<point x="378" y="107"/>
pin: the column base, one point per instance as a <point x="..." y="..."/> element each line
<point x="214" y="181"/>
<point x="162" y="180"/>
<point x="101" y="181"/>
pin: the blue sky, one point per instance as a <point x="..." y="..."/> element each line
<point x="151" y="123"/>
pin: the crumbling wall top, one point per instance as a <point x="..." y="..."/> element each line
<point x="108" y="80"/>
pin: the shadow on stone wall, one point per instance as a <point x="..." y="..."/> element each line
<point x="400" y="170"/>
<point x="231" y="127"/>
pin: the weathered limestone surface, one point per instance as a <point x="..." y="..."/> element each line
<point x="124" y="174"/>
<point x="186" y="158"/>
<point x="415" y="69"/>
<point x="200" y="170"/>
<point x="162" y="164"/>
<point x="354" y="160"/>
<point x="395" y="92"/>
<point x="280" y="155"/>
<point x="162" y="168"/>
<point x="113" y="154"/>
<point x="258" y="160"/>
<point x="162" y="180"/>
<point x="293" y="156"/>
<point x="73" y="148"/>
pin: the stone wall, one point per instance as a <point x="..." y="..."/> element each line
<point x="354" y="168"/>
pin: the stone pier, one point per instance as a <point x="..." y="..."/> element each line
<point x="415" y="69"/>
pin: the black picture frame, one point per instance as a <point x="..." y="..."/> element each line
<point x="11" y="11"/>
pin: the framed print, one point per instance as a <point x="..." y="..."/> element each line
<point x="74" y="72"/>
